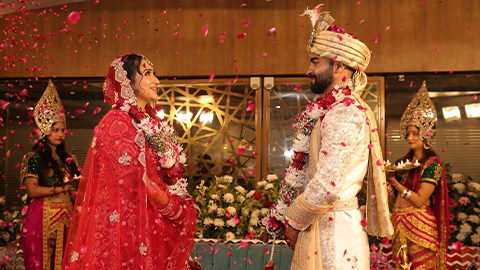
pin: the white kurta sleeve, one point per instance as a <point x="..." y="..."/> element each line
<point x="342" y="130"/>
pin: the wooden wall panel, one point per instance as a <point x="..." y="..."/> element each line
<point x="178" y="48"/>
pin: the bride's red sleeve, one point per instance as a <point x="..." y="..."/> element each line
<point x="116" y="222"/>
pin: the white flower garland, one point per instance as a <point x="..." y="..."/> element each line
<point x="171" y="153"/>
<point x="296" y="178"/>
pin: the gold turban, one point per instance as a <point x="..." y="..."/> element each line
<point x="331" y="41"/>
<point x="48" y="111"/>
<point x="420" y="113"/>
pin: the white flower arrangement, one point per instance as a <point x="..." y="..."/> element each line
<point x="269" y="186"/>
<point x="474" y="218"/>
<point x="231" y="210"/>
<point x="464" y="200"/>
<point x="460" y="187"/>
<point x="228" y="198"/>
<point x="475" y="238"/>
<point x="466" y="229"/>
<point x="218" y="222"/>
<point x="462" y="216"/>
<point x="240" y="189"/>
<point x="240" y="210"/>
<point x="271" y="177"/>
<point x="240" y="199"/>
<point x="230" y="236"/>
<point x="262" y="183"/>
<point x="250" y="194"/>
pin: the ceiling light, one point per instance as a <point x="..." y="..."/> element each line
<point x="473" y="110"/>
<point x="184" y="117"/>
<point x="451" y="113"/>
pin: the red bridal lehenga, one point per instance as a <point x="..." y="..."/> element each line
<point x="116" y="223"/>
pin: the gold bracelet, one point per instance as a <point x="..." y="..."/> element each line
<point x="167" y="209"/>
<point x="177" y="215"/>
<point x="409" y="193"/>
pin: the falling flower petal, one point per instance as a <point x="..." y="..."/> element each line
<point x="73" y="17"/>
<point x="475" y="96"/>
<point x="205" y="30"/>
<point x="77" y="112"/>
<point x="297" y="87"/>
<point x="457" y="245"/>
<point x="241" y="150"/>
<point x="379" y="163"/>
<point x="250" y="106"/>
<point x="265" y="250"/>
<point x="272" y="31"/>
<point x="97" y="110"/>
<point x="363" y="222"/>
<point x="246" y="23"/>
<point x="212" y="75"/>
<point x="241" y="35"/>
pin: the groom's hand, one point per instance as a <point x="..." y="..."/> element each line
<point x="291" y="236"/>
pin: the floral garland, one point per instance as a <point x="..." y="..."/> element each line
<point x="163" y="138"/>
<point x="296" y="175"/>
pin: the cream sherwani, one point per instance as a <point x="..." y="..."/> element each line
<point x="338" y="162"/>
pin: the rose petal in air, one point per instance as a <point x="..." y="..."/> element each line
<point x="205" y="30"/>
<point x="363" y="222"/>
<point x="272" y="31"/>
<point x="250" y="106"/>
<point x="457" y="245"/>
<point x="241" y="35"/>
<point x="241" y="150"/>
<point x="77" y="112"/>
<point x="73" y="17"/>
<point x="297" y="87"/>
<point x="212" y="75"/>
<point x="265" y="250"/>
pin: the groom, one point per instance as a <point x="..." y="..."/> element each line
<point x="325" y="226"/>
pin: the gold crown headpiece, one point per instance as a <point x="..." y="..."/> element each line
<point x="49" y="110"/>
<point x="420" y="113"/>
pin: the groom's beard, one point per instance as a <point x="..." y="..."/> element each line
<point x="322" y="81"/>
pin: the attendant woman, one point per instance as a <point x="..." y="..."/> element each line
<point x="132" y="210"/>
<point x="47" y="172"/>
<point x="420" y="212"/>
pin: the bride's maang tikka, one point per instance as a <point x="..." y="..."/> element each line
<point x="48" y="111"/>
<point x="420" y="113"/>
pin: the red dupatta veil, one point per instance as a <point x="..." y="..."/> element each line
<point x="117" y="223"/>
